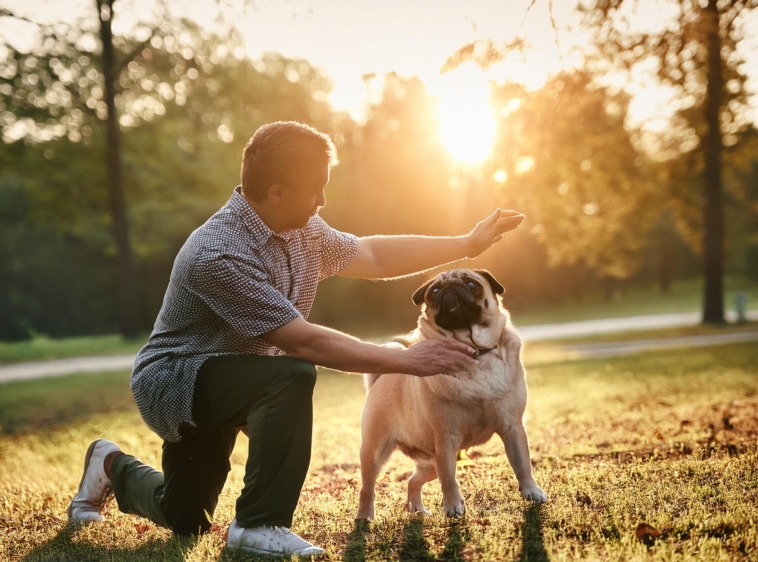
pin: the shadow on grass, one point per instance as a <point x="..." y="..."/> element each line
<point x="414" y="546"/>
<point x="62" y="548"/>
<point x="533" y="546"/>
<point x="457" y="536"/>
<point x="355" y="549"/>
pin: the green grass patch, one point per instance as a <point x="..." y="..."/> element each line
<point x="41" y="348"/>
<point x="684" y="296"/>
<point x="663" y="438"/>
<point x="27" y="407"/>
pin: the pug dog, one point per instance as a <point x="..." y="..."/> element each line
<point x="431" y="419"/>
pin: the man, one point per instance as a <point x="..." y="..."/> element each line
<point x="232" y="349"/>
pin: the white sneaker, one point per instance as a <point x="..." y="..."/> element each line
<point x="274" y="541"/>
<point x="95" y="485"/>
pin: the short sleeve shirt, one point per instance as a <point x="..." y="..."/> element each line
<point x="233" y="280"/>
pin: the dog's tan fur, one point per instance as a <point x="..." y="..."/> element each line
<point x="430" y="419"/>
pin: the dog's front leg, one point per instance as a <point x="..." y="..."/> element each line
<point x="445" y="458"/>
<point x="517" y="449"/>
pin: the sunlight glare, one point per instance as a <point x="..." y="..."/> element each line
<point x="466" y="121"/>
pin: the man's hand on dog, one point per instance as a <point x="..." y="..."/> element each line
<point x="492" y="229"/>
<point x="439" y="357"/>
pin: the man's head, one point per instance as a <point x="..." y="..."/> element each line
<point x="286" y="165"/>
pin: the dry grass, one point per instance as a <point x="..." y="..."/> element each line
<point x="665" y="438"/>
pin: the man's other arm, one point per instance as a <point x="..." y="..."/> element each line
<point x="387" y="257"/>
<point x="335" y="350"/>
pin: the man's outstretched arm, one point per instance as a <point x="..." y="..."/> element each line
<point x="335" y="350"/>
<point x="387" y="257"/>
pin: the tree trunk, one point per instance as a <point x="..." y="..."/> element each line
<point x="129" y="299"/>
<point x="713" y="227"/>
<point x="666" y="264"/>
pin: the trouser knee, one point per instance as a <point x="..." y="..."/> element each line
<point x="301" y="377"/>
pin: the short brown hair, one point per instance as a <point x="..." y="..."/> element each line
<point x="282" y="153"/>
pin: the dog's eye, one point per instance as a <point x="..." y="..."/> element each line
<point x="435" y="290"/>
<point x="471" y="285"/>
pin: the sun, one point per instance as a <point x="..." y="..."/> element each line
<point x="466" y="121"/>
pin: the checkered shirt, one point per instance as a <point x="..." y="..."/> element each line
<point x="233" y="280"/>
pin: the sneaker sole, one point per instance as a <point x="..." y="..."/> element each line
<point x="260" y="551"/>
<point x="87" y="458"/>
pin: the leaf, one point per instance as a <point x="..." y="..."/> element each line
<point x="141" y="528"/>
<point x="647" y="534"/>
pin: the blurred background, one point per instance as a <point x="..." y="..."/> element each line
<point x="624" y="130"/>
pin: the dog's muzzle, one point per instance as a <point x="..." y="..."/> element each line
<point x="455" y="308"/>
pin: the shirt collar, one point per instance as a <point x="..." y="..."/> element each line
<point x="239" y="205"/>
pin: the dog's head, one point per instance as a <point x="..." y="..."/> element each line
<point x="464" y="303"/>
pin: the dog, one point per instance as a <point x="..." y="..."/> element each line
<point x="431" y="419"/>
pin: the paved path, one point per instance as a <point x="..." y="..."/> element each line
<point x="608" y="325"/>
<point x="100" y="364"/>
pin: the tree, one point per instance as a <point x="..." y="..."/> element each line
<point x="696" y="53"/>
<point x="573" y="169"/>
<point x="65" y="85"/>
<point x="187" y="102"/>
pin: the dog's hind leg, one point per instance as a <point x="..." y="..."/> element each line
<point x="425" y="472"/>
<point x="373" y="457"/>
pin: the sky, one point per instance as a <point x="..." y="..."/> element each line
<point x="351" y="38"/>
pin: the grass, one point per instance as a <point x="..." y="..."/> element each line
<point x="684" y="296"/>
<point x="662" y="438"/>
<point x="41" y="348"/>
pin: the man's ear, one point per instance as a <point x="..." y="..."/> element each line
<point x="418" y="296"/>
<point x="497" y="288"/>
<point x="274" y="194"/>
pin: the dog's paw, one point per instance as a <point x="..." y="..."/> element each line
<point x="533" y="493"/>
<point x="455" y="510"/>
<point x="417" y="509"/>
<point x="365" y="513"/>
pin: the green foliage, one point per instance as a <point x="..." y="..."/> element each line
<point x="598" y="211"/>
<point x="576" y="174"/>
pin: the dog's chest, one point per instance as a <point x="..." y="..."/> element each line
<point x="490" y="380"/>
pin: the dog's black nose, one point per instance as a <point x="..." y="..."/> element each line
<point x="450" y="301"/>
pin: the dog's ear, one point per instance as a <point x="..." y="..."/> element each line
<point x="497" y="288"/>
<point x="418" y="296"/>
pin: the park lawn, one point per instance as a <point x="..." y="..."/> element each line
<point x="41" y="348"/>
<point x="663" y="438"/>
<point x="683" y="296"/>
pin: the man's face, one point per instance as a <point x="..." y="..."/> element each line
<point x="300" y="201"/>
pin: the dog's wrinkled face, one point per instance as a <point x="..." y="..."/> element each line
<point x="460" y="299"/>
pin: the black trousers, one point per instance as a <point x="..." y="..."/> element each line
<point x="272" y="398"/>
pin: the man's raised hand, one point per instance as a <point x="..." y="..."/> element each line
<point x="492" y="229"/>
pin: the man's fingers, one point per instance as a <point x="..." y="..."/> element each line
<point x="509" y="213"/>
<point x="504" y="225"/>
